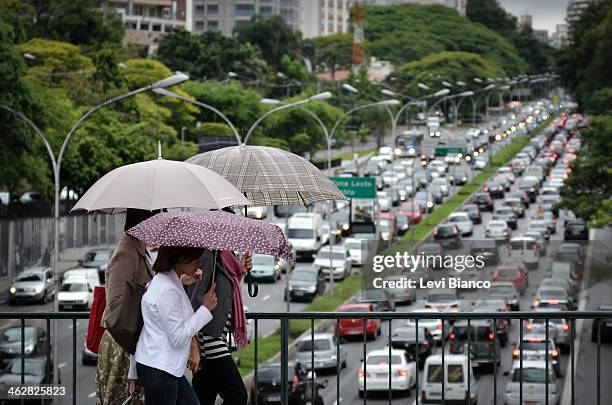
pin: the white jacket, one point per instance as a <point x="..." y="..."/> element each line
<point x="169" y="325"/>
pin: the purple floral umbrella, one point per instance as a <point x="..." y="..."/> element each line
<point x="215" y="230"/>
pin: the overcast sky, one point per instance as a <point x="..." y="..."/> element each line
<point x="546" y="13"/>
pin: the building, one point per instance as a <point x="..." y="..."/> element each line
<point x="558" y="39"/>
<point x="312" y="18"/>
<point x="541" y="35"/>
<point x="526" y="20"/>
<point x="458" y="5"/>
<point x="146" y="20"/>
<point x="574" y="10"/>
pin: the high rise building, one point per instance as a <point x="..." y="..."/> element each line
<point x="541" y="35"/>
<point x="558" y="39"/>
<point x="526" y="20"/>
<point x="146" y="20"/>
<point x="574" y="10"/>
<point x="458" y="5"/>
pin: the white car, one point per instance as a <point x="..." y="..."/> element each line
<point x="498" y="230"/>
<point x="386" y="152"/>
<point x="480" y="162"/>
<point x="75" y="293"/>
<point x="257" y="212"/>
<point x="384" y="202"/>
<point x="533" y="375"/>
<point x="439" y="167"/>
<point x="354" y="248"/>
<point x="443" y="300"/>
<point x="333" y="260"/>
<point x="525" y="249"/>
<point x="403" y="372"/>
<point x="434" y="326"/>
<point x="463" y="222"/>
<point x="442" y="183"/>
<point x="541" y="226"/>
<point x="454" y="380"/>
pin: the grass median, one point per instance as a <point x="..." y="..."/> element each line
<point x="270" y="345"/>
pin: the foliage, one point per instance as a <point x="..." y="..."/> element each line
<point x="273" y="37"/>
<point x="334" y="52"/>
<point x="209" y="129"/>
<point x="210" y="55"/>
<point x="409" y="32"/>
<point x="590" y="184"/>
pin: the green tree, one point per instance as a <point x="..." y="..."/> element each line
<point x="273" y="37"/>
<point x="334" y="52"/>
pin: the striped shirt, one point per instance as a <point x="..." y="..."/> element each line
<point x="215" y="347"/>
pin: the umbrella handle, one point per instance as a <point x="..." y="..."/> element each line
<point x="253" y="287"/>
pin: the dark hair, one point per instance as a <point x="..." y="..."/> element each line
<point x="170" y="256"/>
<point x="134" y="216"/>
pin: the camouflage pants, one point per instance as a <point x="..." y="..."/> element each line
<point x="112" y="374"/>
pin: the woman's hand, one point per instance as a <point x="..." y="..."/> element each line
<point x="133" y="387"/>
<point x="246" y="263"/>
<point x="194" y="356"/>
<point x="209" y="300"/>
<point x="188" y="280"/>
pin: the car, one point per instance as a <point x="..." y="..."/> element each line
<point x="265" y="267"/>
<point x="354" y="247"/>
<point x="443" y="300"/>
<point x="305" y="284"/>
<point x="324" y="347"/>
<point x="480" y="163"/>
<point x="333" y="261"/>
<point x="382" y="299"/>
<point x="350" y="168"/>
<point x="432" y="249"/>
<point x="483" y="201"/>
<point x="525" y="249"/>
<point x="425" y="200"/>
<point x="549" y="218"/>
<point x="495" y="305"/>
<point x="541" y="226"/>
<point x="332" y="231"/>
<point x="390" y="178"/>
<point x="529" y="381"/>
<point x="448" y="236"/>
<point x="384" y="201"/>
<point x="463" y="223"/>
<point x="454" y="378"/>
<point x="529" y="189"/>
<point x="439" y="166"/>
<point x="433" y="326"/>
<point x="34" y="284"/>
<point x="498" y="230"/>
<point x="558" y="329"/>
<point x="484" y="347"/>
<point x="534" y="345"/>
<point x="422" y="178"/>
<point x="412" y="210"/>
<point x="549" y="203"/>
<point x="495" y="189"/>
<point x="487" y="250"/>
<point x="576" y="230"/>
<point x="403" y="295"/>
<point x="374" y="167"/>
<point x="555" y="295"/>
<point x="442" y="183"/>
<point x="87" y="356"/>
<point x="418" y="343"/>
<point x="520" y="195"/>
<point x="34" y="342"/>
<point x="267" y="388"/>
<point x="601" y="329"/>
<point x="257" y="212"/>
<point x="507" y="291"/>
<point x="567" y="272"/>
<point x="459" y="177"/>
<point x="507" y="214"/>
<point x="354" y="327"/>
<point x="36" y="371"/>
<point x="436" y="193"/>
<point x="403" y="224"/>
<point x="513" y="273"/>
<point x="560" y="282"/>
<point x="516" y="204"/>
<point x="571" y="253"/>
<point x="97" y="258"/>
<point x="538" y="237"/>
<point x="403" y="372"/>
<point x="473" y="213"/>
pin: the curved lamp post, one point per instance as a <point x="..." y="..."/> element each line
<point x="462" y="97"/>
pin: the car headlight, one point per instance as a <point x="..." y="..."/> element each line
<point x="345" y="227"/>
<point x="28" y="349"/>
<point x="259" y="215"/>
<point x="38" y="289"/>
<point x="464" y="179"/>
<point x="429" y="204"/>
<point x="312" y="289"/>
<point x="13" y="290"/>
<point x="333" y="357"/>
<point x="277" y="266"/>
<point x="411" y="151"/>
<point x="397" y="151"/>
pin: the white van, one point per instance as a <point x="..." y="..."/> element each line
<point x="525" y="249"/>
<point x="89" y="274"/>
<point x="305" y="233"/>
<point x="455" y="378"/>
<point x="76" y="291"/>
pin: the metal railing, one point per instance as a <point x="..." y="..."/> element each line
<point x="333" y="319"/>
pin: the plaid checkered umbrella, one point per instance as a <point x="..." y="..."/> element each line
<point x="270" y="176"/>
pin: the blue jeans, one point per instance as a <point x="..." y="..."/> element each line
<point x="161" y="388"/>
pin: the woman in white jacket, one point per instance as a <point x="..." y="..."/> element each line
<point x="170" y="324"/>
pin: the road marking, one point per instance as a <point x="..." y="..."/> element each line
<point x="265" y="298"/>
<point x="93" y="394"/>
<point x="62" y="365"/>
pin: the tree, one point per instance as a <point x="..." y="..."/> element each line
<point x="490" y="14"/>
<point x="273" y="37"/>
<point x="334" y="52"/>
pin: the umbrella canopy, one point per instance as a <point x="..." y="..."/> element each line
<point x="215" y="230"/>
<point x="270" y="176"/>
<point x="158" y="184"/>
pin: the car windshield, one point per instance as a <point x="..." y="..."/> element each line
<point x="534" y="345"/>
<point x="497" y="224"/>
<point x="74" y="287"/>
<point x="379" y="359"/>
<point x="263" y="261"/>
<point x="530" y="375"/>
<point x="324" y="254"/>
<point x="501" y="290"/>
<point x="304" y="276"/>
<point x="408" y="334"/>
<point x="29" y="277"/>
<point x="319" y="345"/>
<point x="458" y="218"/>
<point x="507" y="272"/>
<point x="353" y="244"/>
<point x="13" y="335"/>
<point x="301" y="233"/>
<point x="267" y="374"/>
<point x="446" y="231"/>
<point x="444" y="297"/>
<point x="97" y="256"/>
<point x="31" y="367"/>
<point x="552" y="293"/>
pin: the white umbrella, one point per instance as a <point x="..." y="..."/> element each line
<point x="158" y="184"/>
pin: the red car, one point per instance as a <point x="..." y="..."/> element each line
<point x="413" y="211"/>
<point x="511" y="272"/>
<point x="354" y="327"/>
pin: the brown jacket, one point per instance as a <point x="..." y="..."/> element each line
<point x="129" y="263"/>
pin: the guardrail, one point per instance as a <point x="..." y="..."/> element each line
<point x="285" y="318"/>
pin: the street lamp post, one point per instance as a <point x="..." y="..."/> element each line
<point x="462" y="97"/>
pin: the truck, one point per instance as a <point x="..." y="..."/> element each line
<point x="409" y="144"/>
<point x="305" y="233"/>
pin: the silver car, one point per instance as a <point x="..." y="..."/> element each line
<point x="324" y="349"/>
<point x="33" y="285"/>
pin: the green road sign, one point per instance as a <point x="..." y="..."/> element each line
<point x="356" y="187"/>
<point x="443" y="151"/>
